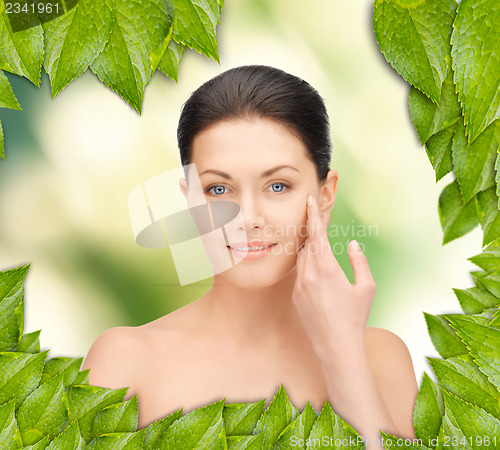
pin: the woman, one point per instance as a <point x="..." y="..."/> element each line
<point x="285" y="313"/>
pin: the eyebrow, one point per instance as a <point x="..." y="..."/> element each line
<point x="263" y="174"/>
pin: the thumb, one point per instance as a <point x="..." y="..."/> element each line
<point x="359" y="263"/>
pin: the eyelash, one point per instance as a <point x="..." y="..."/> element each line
<point x="285" y="184"/>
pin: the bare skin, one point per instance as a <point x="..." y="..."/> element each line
<point x="291" y="317"/>
<point x="207" y="367"/>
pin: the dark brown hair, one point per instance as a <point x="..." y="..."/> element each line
<point x="264" y="92"/>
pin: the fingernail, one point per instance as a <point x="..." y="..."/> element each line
<point x="309" y="200"/>
<point x="355" y="245"/>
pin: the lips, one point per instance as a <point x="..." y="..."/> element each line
<point x="253" y="250"/>
<point x="254" y="246"/>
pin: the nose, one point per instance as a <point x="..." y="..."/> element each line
<point x="251" y="216"/>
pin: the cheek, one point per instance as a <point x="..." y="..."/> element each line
<point x="291" y="225"/>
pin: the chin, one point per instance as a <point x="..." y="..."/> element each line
<point x="254" y="274"/>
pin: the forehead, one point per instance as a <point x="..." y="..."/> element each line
<point x="254" y="143"/>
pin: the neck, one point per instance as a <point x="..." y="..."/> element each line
<point x="266" y="314"/>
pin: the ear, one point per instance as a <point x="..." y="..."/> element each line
<point x="328" y="191"/>
<point x="183" y="186"/>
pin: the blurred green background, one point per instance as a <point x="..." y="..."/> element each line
<point x="71" y="163"/>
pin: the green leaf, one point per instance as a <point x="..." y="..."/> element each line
<point x="156" y="429"/>
<point x="195" y="22"/>
<point x="477" y="275"/>
<point x="11" y="297"/>
<point x="428" y="410"/>
<point x="332" y="431"/>
<point x="21" y="52"/>
<point x="429" y="118"/>
<point x="140" y="27"/>
<point x="201" y="428"/>
<point x="157" y="55"/>
<point x="19" y="314"/>
<point x="29" y="343"/>
<point x="483" y="343"/>
<point x="415" y="39"/>
<point x="474" y="164"/>
<point x="9" y="433"/>
<point x="7" y="97"/>
<point x="276" y="417"/>
<point x="298" y="430"/>
<point x="443" y="337"/>
<point x="86" y="401"/>
<point x="67" y="366"/>
<point x="476" y="55"/>
<point x="19" y="375"/>
<point x="492" y="282"/>
<point x="438" y="149"/>
<point x="118" y="441"/>
<point x="241" y="418"/>
<point x="245" y="442"/>
<point x="74" y="40"/>
<point x="460" y="375"/>
<point x="490" y="215"/>
<point x="486" y="314"/>
<point x="497" y="178"/>
<point x="495" y="321"/>
<point x="42" y="444"/>
<point x="44" y="412"/>
<point x="169" y="63"/>
<point x="456" y="219"/>
<point x="21" y="20"/>
<point x="69" y="439"/>
<point x="481" y="319"/>
<point x="82" y="377"/>
<point x="476" y="299"/>
<point x="466" y="422"/>
<point x="117" y="418"/>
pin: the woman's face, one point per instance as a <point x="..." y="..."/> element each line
<point x="265" y="169"/>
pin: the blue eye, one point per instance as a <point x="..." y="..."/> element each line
<point x="217" y="190"/>
<point x="278" y="187"/>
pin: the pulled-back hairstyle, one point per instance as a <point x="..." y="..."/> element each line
<point x="262" y="92"/>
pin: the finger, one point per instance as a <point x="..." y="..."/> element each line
<point x="317" y="249"/>
<point x="316" y="242"/>
<point x="315" y="226"/>
<point x="360" y="267"/>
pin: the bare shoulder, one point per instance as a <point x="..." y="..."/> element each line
<point x="392" y="367"/>
<point x="114" y="357"/>
<point x="127" y="356"/>
<point x="385" y="351"/>
<point x="380" y="340"/>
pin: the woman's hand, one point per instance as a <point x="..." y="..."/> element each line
<point x="334" y="314"/>
<point x="331" y="308"/>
